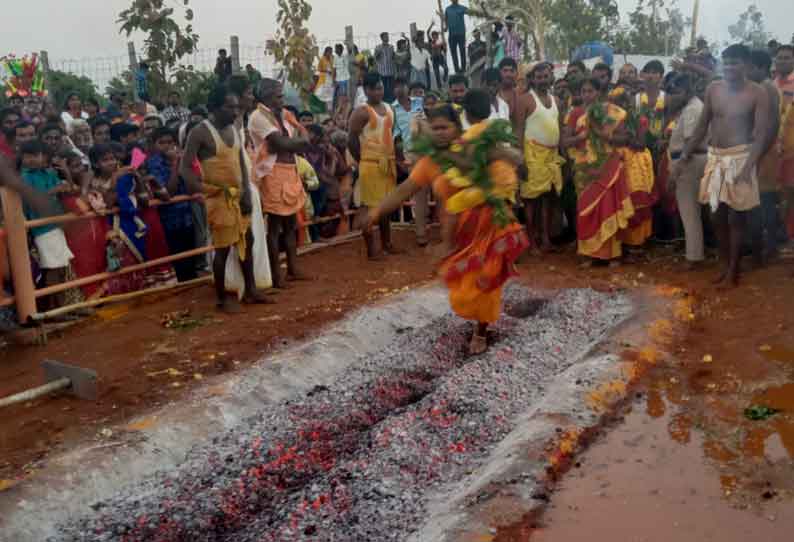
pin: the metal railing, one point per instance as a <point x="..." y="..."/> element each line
<point x="26" y="293"/>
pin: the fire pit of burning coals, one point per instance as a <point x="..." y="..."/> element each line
<point x="357" y="457"/>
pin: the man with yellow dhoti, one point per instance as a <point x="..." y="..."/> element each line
<point x="224" y="181"/>
<point x="475" y="180"/>
<point x="541" y="154"/>
<point x="371" y="144"/>
<point x="277" y="136"/>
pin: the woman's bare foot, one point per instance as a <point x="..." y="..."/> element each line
<point x="614" y="264"/>
<point x="478" y="344"/>
<point x="730" y="280"/>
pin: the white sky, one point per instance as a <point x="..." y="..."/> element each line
<point x="87" y="28"/>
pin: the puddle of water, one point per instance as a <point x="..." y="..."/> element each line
<point x="779" y="398"/>
<point x="638" y="484"/>
<point x="780" y="354"/>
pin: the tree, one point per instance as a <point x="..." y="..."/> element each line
<point x="194" y="85"/>
<point x="60" y="84"/>
<point x="294" y="47"/>
<point x="530" y="17"/>
<point x="575" y="22"/>
<point x="120" y="84"/>
<point x="750" y="29"/>
<point x="656" y="27"/>
<point x="166" y="42"/>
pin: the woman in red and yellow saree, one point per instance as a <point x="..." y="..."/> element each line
<point x="474" y="178"/>
<point x="605" y="205"/>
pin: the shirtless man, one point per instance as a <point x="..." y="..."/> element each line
<point x="510" y="94"/>
<point x="737" y="113"/>
<point x="224" y="181"/>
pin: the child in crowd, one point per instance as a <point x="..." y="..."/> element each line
<point x="162" y="171"/>
<point x="125" y="238"/>
<point x="54" y="255"/>
<point x="86" y="237"/>
<point x="310" y="184"/>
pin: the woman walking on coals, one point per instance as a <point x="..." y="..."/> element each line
<point x="474" y="177"/>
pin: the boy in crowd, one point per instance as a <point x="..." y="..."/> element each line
<point x="162" y="167"/>
<point x="50" y="241"/>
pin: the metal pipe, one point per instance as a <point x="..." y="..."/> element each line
<point x="35" y="393"/>
<point x="118" y="298"/>
<point x="123" y="271"/>
<point x="71" y="217"/>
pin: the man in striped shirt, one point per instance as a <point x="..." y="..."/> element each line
<point x="513" y="42"/>
<point x="387" y="68"/>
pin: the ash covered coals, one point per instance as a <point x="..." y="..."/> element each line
<point x="354" y="460"/>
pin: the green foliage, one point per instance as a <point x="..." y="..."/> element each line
<point x="656" y="27"/>
<point x="497" y="133"/>
<point x="121" y="84"/>
<point x="759" y="412"/>
<point x="750" y="29"/>
<point x="294" y="47"/>
<point x="166" y="42"/>
<point x="575" y="22"/>
<point x="194" y="86"/>
<point x="531" y="18"/>
<point x="60" y="84"/>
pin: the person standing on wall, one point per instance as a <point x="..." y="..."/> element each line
<point x="455" y="23"/>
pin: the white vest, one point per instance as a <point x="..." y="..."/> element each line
<point x="543" y="125"/>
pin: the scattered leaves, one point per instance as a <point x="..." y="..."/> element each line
<point x="759" y="412"/>
<point x="182" y="320"/>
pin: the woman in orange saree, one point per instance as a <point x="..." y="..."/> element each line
<point x="474" y="178"/>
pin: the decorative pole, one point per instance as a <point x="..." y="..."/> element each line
<point x="695" y="14"/>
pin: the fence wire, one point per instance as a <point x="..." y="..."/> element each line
<point x="101" y="70"/>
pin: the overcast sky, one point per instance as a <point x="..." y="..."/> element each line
<point x="87" y="28"/>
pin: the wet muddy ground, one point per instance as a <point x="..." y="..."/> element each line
<point x="736" y="352"/>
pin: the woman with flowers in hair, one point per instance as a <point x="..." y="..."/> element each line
<point x="605" y="205"/>
<point x="638" y="163"/>
<point x="474" y="178"/>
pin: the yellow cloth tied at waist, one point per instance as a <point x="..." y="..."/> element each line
<point x="544" y="170"/>
<point x="377" y="174"/>
<point x="225" y="216"/>
<point x="387" y="164"/>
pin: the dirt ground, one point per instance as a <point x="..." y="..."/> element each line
<point x="737" y="351"/>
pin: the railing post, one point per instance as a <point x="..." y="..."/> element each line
<point x="19" y="255"/>
<point x="352" y="83"/>
<point x="44" y="60"/>
<point x="235" y="48"/>
<point x="133" y="70"/>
